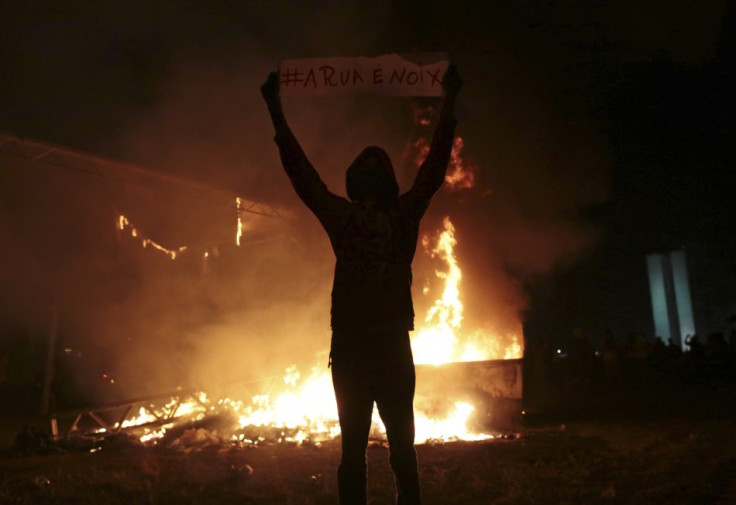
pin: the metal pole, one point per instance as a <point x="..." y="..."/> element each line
<point x="48" y="379"/>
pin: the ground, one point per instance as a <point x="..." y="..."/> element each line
<point x="581" y="442"/>
<point x="678" y="461"/>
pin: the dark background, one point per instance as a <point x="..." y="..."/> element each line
<point x="600" y="132"/>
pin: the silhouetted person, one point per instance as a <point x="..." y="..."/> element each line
<point x="716" y="346"/>
<point x="697" y="350"/>
<point x="581" y="362"/>
<point x="374" y="238"/>
<point x="611" y="358"/>
<point x="637" y="352"/>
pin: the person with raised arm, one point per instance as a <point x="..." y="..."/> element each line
<point x="374" y="235"/>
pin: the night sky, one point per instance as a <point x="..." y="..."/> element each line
<point x="601" y="131"/>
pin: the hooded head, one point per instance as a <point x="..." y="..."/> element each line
<point x="371" y="177"/>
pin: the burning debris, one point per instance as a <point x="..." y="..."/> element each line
<point x="458" y="401"/>
<point x="300" y="409"/>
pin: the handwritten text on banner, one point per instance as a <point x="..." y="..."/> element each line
<point x="390" y="74"/>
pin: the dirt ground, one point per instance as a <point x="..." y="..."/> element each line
<point x="677" y="461"/>
<point x="669" y="444"/>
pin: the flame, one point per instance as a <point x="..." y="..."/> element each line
<point x="304" y="411"/>
<point x="435" y="342"/>
<point x="302" y="407"/>
<point x="239" y="227"/>
<point x="440" y="339"/>
<point x="452" y="427"/>
<point x="124" y="222"/>
<point x="460" y="173"/>
<point x="306" y="407"/>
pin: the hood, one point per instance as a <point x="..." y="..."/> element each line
<point x="371" y="176"/>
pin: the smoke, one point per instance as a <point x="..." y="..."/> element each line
<point x="196" y="115"/>
<point x="213" y="128"/>
<point x="533" y="81"/>
<point x="135" y="314"/>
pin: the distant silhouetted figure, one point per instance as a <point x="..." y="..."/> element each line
<point x="581" y="362"/>
<point x="637" y="352"/>
<point x="716" y="346"/>
<point x="697" y="350"/>
<point x="374" y="238"/>
<point x="611" y="358"/>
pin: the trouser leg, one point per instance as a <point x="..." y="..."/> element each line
<point x="395" y="405"/>
<point x="354" y="407"/>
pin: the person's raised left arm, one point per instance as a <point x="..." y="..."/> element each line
<point x="432" y="171"/>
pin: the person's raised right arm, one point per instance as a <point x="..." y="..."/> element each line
<point x="305" y="179"/>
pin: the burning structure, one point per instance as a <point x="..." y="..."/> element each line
<point x="469" y="388"/>
<point x="147" y="273"/>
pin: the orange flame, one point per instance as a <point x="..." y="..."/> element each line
<point x="304" y="406"/>
<point x="124" y="222"/>
<point x="239" y="227"/>
<point x="439" y="340"/>
<point x="460" y="173"/>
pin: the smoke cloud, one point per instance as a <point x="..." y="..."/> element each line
<point x="244" y="313"/>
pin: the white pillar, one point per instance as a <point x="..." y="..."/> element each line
<point x="657" y="272"/>
<point x="670" y="292"/>
<point x="682" y="297"/>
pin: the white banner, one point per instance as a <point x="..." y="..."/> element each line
<point x="390" y="74"/>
